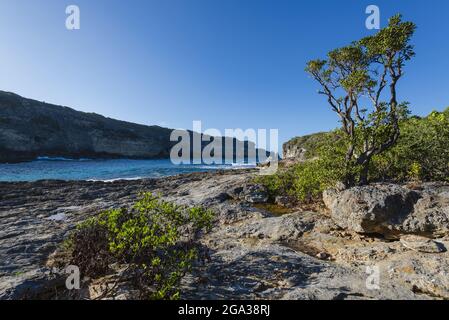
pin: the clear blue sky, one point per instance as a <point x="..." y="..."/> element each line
<point x="228" y="63"/>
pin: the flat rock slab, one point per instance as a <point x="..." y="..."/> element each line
<point x="422" y="244"/>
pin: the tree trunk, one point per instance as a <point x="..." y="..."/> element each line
<point x="349" y="176"/>
<point x="363" y="180"/>
<point x="349" y="181"/>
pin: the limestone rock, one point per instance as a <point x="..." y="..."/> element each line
<point x="322" y="255"/>
<point x="391" y="209"/>
<point x="430" y="214"/>
<point x="255" y="194"/>
<point x="284" y="201"/>
<point x="422" y="244"/>
<point x="284" y="228"/>
<point x="425" y="274"/>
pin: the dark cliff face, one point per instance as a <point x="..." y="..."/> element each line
<point x="30" y="128"/>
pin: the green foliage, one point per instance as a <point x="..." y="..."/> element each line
<point x="156" y="239"/>
<point x="394" y="38"/>
<point x="415" y="172"/>
<point x="421" y="152"/>
<point x="312" y="178"/>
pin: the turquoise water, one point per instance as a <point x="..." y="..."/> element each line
<point x="65" y="169"/>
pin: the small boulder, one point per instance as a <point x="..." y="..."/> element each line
<point x="235" y="192"/>
<point x="391" y="209"/>
<point x="255" y="193"/>
<point x="284" y="201"/>
<point x="377" y="208"/>
<point x="323" y="256"/>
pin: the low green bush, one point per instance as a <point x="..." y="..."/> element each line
<point x="156" y="239"/>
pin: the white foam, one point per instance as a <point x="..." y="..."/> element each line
<point x="59" y="159"/>
<point x="115" y="179"/>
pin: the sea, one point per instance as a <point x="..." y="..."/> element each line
<point x="44" y="168"/>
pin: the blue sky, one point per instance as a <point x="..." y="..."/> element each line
<point x="228" y="63"/>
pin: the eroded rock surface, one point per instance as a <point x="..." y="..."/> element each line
<point x="254" y="254"/>
<point x="422" y="244"/>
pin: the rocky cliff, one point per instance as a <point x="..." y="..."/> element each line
<point x="297" y="147"/>
<point x="30" y="128"/>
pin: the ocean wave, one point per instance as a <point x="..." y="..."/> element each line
<point x="226" y="166"/>
<point x="44" y="158"/>
<point x="244" y="165"/>
<point x="212" y="167"/>
<point x="115" y="179"/>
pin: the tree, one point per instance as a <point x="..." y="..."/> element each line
<point x="355" y="79"/>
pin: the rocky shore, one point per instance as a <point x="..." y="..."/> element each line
<point x="401" y="232"/>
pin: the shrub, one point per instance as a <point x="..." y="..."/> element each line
<point x="423" y="143"/>
<point x="88" y="248"/>
<point x="156" y="239"/>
